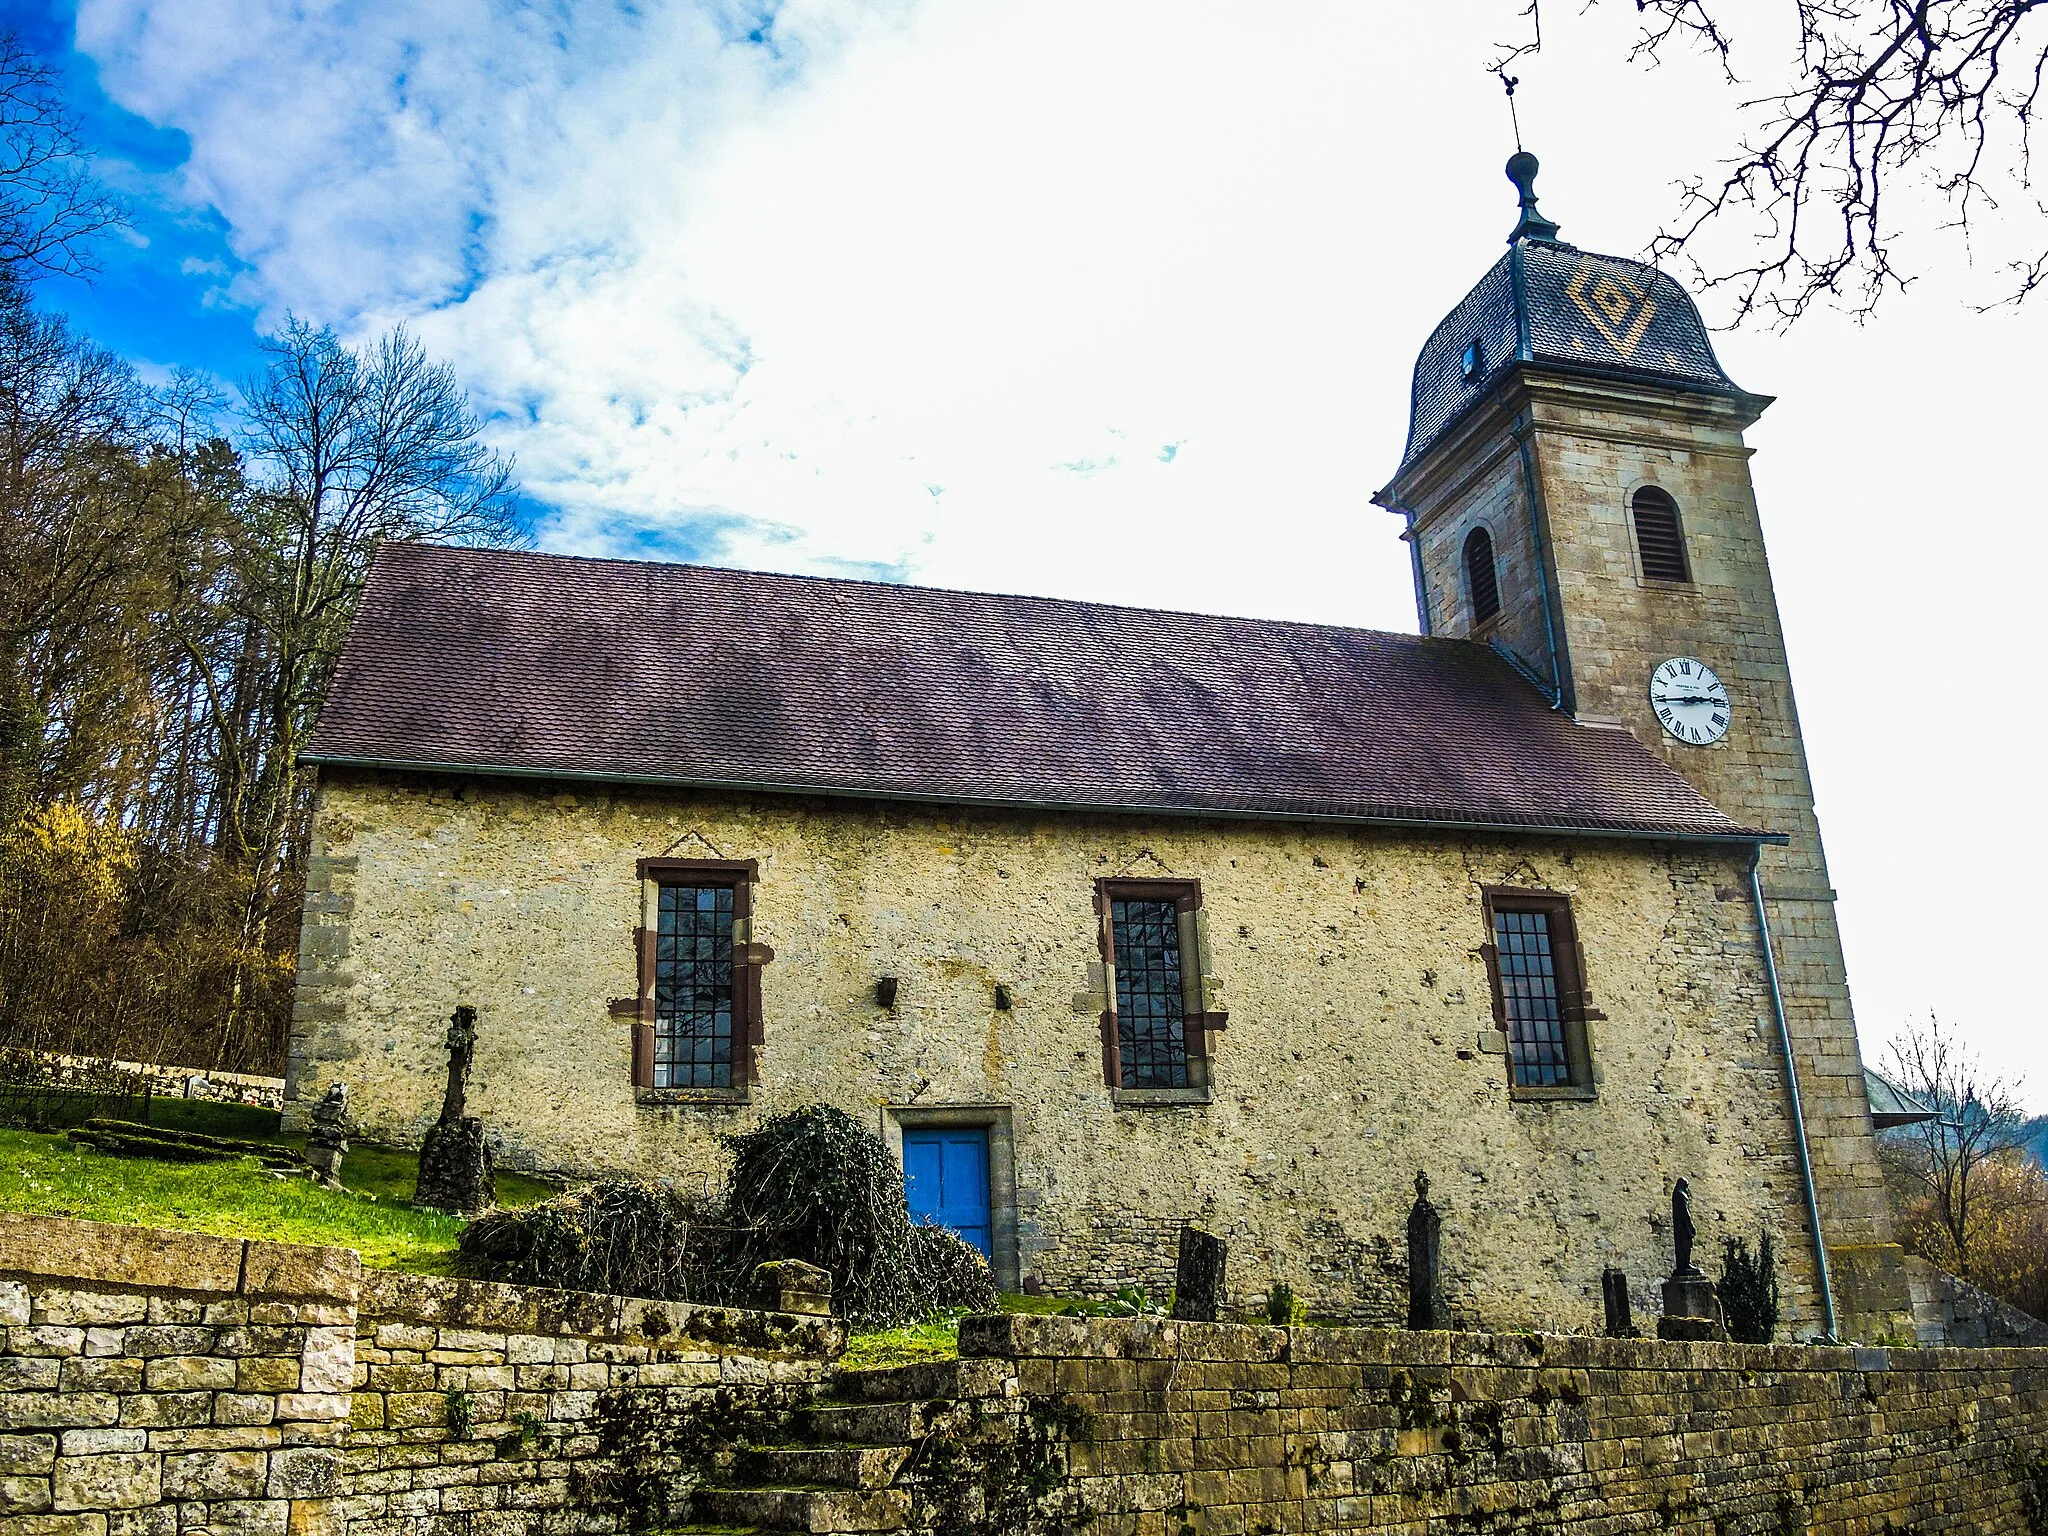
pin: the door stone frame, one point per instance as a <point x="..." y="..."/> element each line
<point x="1002" y="1168"/>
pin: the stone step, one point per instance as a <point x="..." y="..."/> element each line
<point x="927" y="1379"/>
<point x="868" y="1423"/>
<point x="803" y="1509"/>
<point x="828" y="1466"/>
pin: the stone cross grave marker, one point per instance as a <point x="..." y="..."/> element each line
<point x="1426" y="1307"/>
<point x="1198" y="1276"/>
<point x="456" y="1172"/>
<point x="327" y="1137"/>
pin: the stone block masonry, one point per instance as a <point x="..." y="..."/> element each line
<point x="1360" y="1045"/>
<point x="163" y="1384"/>
<point x="153" y="1383"/>
<point x="1161" y="1428"/>
<point x="1572" y="577"/>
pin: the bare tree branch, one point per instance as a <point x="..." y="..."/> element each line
<point x="51" y="207"/>
<point x="1887" y="98"/>
<point x="1977" y="1123"/>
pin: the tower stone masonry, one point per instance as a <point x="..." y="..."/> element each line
<point x="1561" y="387"/>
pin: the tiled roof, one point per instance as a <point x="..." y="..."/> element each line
<point x="496" y="660"/>
<point x="1544" y="302"/>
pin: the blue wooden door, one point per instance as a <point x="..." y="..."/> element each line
<point x="945" y="1178"/>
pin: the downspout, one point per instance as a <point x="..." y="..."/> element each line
<point x="1415" y="561"/>
<point x="1539" y="521"/>
<point x="1539" y="528"/>
<point x="1820" y="1247"/>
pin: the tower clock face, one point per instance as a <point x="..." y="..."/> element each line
<point x="1691" y="702"/>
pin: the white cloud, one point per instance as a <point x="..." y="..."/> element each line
<point x="1117" y="301"/>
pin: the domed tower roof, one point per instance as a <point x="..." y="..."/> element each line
<point x="1552" y="304"/>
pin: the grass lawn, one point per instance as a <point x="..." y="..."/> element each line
<point x="939" y="1339"/>
<point x="49" y="1176"/>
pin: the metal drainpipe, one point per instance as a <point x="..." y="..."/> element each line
<point x="1421" y="585"/>
<point x="1539" y="535"/>
<point x="1820" y="1247"/>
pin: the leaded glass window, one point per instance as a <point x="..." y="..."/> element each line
<point x="1531" y="999"/>
<point x="693" y="987"/>
<point x="1151" y="1008"/>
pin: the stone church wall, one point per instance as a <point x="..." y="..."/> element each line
<point x="1360" y="1046"/>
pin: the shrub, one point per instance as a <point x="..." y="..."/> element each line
<point x="1749" y="1290"/>
<point x="623" y="1236"/>
<point x="1128" y="1302"/>
<point x="1283" y="1308"/>
<point x="813" y="1184"/>
<point x="952" y="1270"/>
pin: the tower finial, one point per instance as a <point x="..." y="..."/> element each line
<point x="1532" y="225"/>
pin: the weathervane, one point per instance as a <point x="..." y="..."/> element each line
<point x="1522" y="170"/>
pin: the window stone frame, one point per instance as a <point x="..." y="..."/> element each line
<point x="1574" y="1001"/>
<point x="741" y="875"/>
<point x="1198" y="1022"/>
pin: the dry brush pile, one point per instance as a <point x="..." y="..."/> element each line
<point x="811" y="1184"/>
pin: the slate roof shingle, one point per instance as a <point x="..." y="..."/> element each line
<point x="1552" y="304"/>
<point x="507" y="661"/>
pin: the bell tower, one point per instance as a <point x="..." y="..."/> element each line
<point x="1576" y="495"/>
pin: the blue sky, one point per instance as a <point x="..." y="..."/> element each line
<point x="1106" y="302"/>
<point x="160" y="297"/>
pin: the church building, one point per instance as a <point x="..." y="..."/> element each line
<point x="1109" y="919"/>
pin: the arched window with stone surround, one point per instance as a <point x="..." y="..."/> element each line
<point x="1482" y="583"/>
<point x="1659" y="537"/>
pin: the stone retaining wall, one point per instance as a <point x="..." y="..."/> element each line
<point x="153" y="1383"/>
<point x="1186" y="1429"/>
<point x="96" y="1073"/>
<point x="493" y="1407"/>
<point x="165" y="1384"/>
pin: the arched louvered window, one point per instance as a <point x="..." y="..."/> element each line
<point x="1481" y="583"/>
<point x="1659" y="537"/>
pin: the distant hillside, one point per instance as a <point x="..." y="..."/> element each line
<point x="2037" y="1139"/>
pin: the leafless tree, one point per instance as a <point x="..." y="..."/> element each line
<point x="1887" y="97"/>
<point x="1978" y="1123"/>
<point x="170" y="612"/>
<point x="51" y="206"/>
<point x="344" y="449"/>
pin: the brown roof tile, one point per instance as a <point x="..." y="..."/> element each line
<point x="544" y="664"/>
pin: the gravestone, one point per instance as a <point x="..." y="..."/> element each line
<point x="327" y="1136"/>
<point x="1425" y="1257"/>
<point x="1692" y="1307"/>
<point x="456" y="1173"/>
<point x="1198" y="1277"/>
<point x="1621" y="1323"/>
